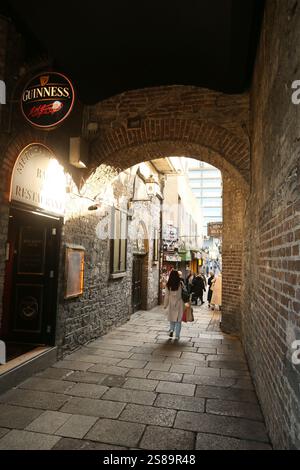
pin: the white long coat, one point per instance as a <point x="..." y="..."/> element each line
<point x="216" y="298"/>
<point x="173" y="302"/>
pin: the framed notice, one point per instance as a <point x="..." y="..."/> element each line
<point x="74" y="270"/>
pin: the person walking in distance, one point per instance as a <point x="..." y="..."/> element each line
<point x="174" y="303"/>
<point x="197" y="289"/>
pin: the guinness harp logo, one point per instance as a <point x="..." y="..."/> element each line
<point x="47" y="100"/>
<point x="44" y="79"/>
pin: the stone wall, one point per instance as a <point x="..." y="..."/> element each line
<point x="271" y="311"/>
<point x="105" y="302"/>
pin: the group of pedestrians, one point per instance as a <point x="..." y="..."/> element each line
<point x="195" y="286"/>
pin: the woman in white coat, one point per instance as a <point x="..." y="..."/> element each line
<point x="173" y="301"/>
<point x="216" y="298"/>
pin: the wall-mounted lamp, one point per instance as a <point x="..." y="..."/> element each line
<point x="94" y="207"/>
<point x="78" y="152"/>
<point x="102" y="212"/>
<point x="152" y="186"/>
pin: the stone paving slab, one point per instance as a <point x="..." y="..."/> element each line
<point x="114" y="381"/>
<point x="236" y="357"/>
<point x="87" y="390"/>
<point x="160" y="438"/>
<point x="235" y="365"/>
<point x="85" y="377"/>
<point x="108" y="353"/>
<point x="109" y="370"/>
<point x="131" y="364"/>
<point x="147" y="357"/>
<point x="123" y="395"/>
<point x="182" y="403"/>
<point x="234" y="408"/>
<point x="93" y="359"/>
<point x="122" y="342"/>
<point x="138" y="373"/>
<point x="76" y="426"/>
<point x="68" y="443"/>
<point x="234" y="373"/>
<point x="162" y="366"/>
<point x="176" y="388"/>
<point x="206" y="350"/>
<point x="73" y="365"/>
<point x="214" y="442"/>
<point x="3" y="431"/>
<point x="167" y="376"/>
<point x="144" y="349"/>
<point x="100" y="346"/>
<point x="207" y="372"/>
<point x="48" y="422"/>
<point x="222" y="425"/>
<point x="120" y="433"/>
<point x="54" y="373"/>
<point x="46" y="385"/>
<point x="204" y="380"/>
<point x="34" y="399"/>
<point x="148" y="415"/>
<point x="25" y="440"/>
<point x="17" y="416"/>
<point x="141" y="384"/>
<point x="224" y="393"/>
<point x="180" y="361"/>
<point x="196" y="357"/>
<point x="182" y="369"/>
<point x="160" y="352"/>
<point x="90" y="407"/>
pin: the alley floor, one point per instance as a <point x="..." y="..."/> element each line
<point x="135" y="388"/>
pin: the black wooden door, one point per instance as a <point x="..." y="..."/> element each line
<point x="137" y="276"/>
<point x="33" y="257"/>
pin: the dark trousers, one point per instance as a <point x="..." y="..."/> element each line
<point x="197" y="295"/>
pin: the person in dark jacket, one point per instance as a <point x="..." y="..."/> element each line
<point x="210" y="284"/>
<point x="197" y="289"/>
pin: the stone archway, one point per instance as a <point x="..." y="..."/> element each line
<point x="143" y="125"/>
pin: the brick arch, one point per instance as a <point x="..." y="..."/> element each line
<point x="13" y="148"/>
<point x="122" y="160"/>
<point x="146" y="124"/>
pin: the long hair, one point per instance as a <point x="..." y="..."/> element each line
<point x="174" y="280"/>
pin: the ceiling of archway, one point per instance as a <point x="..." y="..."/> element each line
<point x="107" y="47"/>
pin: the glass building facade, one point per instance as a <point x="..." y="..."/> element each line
<point x="206" y="183"/>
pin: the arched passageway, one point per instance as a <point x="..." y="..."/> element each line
<point x="148" y="124"/>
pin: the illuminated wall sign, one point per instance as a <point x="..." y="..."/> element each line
<point x="47" y="100"/>
<point x="39" y="180"/>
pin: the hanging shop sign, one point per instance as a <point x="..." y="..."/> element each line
<point x="214" y="229"/>
<point x="39" y="180"/>
<point x="47" y="100"/>
<point x="174" y="258"/>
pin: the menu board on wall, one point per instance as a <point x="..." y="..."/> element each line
<point x="74" y="270"/>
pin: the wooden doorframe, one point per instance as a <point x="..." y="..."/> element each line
<point x="19" y="210"/>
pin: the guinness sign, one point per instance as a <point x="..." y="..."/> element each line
<point x="47" y="100"/>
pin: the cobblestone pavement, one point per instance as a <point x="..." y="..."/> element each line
<point x="135" y="388"/>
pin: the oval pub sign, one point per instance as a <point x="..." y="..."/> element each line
<point x="47" y="99"/>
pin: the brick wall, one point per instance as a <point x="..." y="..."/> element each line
<point x="271" y="312"/>
<point x="232" y="255"/>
